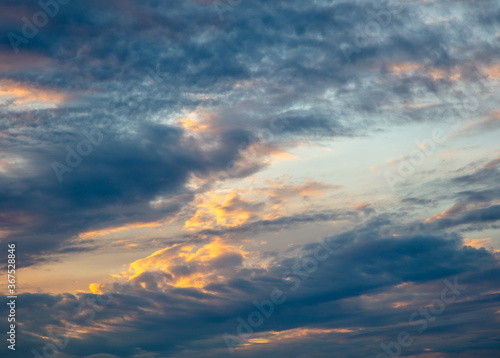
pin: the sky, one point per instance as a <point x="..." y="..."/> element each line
<point x="250" y="178"/>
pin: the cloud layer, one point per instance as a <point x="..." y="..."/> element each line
<point x="234" y="134"/>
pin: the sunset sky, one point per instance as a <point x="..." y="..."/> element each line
<point x="251" y="178"/>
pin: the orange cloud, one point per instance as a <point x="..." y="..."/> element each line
<point x="402" y="68"/>
<point x="25" y="94"/>
<point x="299" y="333"/>
<point x="183" y="266"/>
<point x="400" y="304"/>
<point x="364" y="208"/>
<point x="193" y="126"/>
<point x="224" y="210"/>
<point x="310" y="188"/>
<point x="199" y="122"/>
<point x="231" y="209"/>
<point x="4" y="233"/>
<point x="292" y="335"/>
<point x="262" y="152"/>
<point x="492" y="164"/>
<point x="460" y="208"/>
<point x="438" y="74"/>
<point x="452" y="74"/>
<point x="493" y="71"/>
<point x="281" y="154"/>
<point x="477" y="243"/>
<point x="103" y="232"/>
<point x="96" y="288"/>
<point x="455" y="209"/>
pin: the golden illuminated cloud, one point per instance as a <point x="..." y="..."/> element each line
<point x="183" y="265"/>
<point x="477" y="243"/>
<point x="229" y="208"/>
<point x="455" y="209"/>
<point x="404" y="68"/>
<point x="492" y="164"/>
<point x="193" y="125"/>
<point x="451" y="74"/>
<point x="400" y="304"/>
<point x="224" y="210"/>
<point x="131" y="226"/>
<point x="493" y="71"/>
<point x="460" y="208"/>
<point x="26" y="94"/>
<point x="292" y="335"/>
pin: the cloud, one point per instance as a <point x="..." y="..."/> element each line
<point x="196" y="102"/>
<point x="112" y="186"/>
<point x="20" y="94"/>
<point x="187" y="265"/>
<point x="351" y="297"/>
<point x="224" y="209"/>
<point x="477" y="243"/>
<point x="218" y="211"/>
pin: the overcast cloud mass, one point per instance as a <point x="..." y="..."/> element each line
<point x="250" y="178"/>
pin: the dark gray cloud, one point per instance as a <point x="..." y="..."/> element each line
<point x="113" y="185"/>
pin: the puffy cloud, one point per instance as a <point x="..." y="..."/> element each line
<point x="187" y="265"/>
<point x="224" y="211"/>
